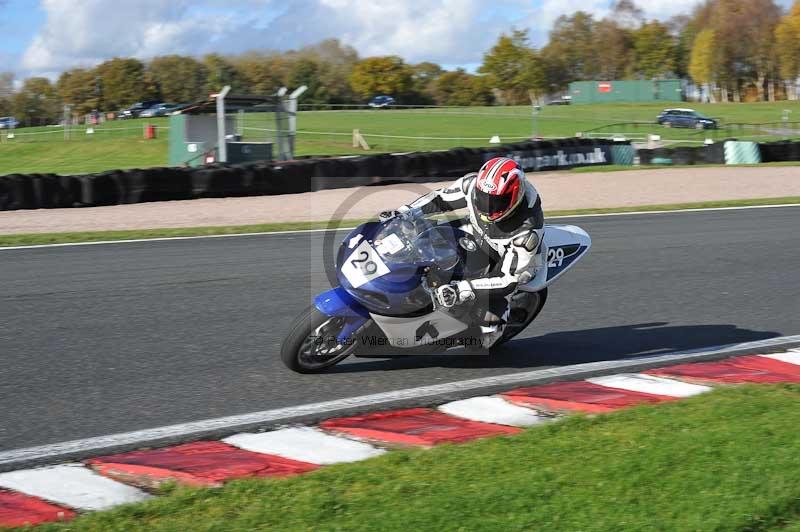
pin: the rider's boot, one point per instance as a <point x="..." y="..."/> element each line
<point x="490" y="334"/>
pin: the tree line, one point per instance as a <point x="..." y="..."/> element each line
<point x="733" y="50"/>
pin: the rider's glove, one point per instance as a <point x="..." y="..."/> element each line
<point x="449" y="295"/>
<point x="403" y="212"/>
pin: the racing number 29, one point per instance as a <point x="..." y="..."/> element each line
<point x="367" y="266"/>
<point x="555" y="257"/>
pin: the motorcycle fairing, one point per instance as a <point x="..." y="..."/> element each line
<point x="565" y="244"/>
<point x="422" y="330"/>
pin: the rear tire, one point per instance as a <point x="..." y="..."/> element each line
<point x="302" y="354"/>
<point x="513" y="330"/>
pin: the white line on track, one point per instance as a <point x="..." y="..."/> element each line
<point x="301" y="231"/>
<point x="198" y="429"/>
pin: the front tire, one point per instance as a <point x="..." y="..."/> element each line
<point x="303" y="352"/>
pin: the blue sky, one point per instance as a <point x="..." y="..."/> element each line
<point x="45" y="37"/>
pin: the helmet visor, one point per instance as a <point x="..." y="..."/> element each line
<point x="490" y="205"/>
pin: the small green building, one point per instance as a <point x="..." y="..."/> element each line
<point x="626" y="91"/>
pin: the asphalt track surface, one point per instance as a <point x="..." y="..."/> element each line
<point x="112" y="338"/>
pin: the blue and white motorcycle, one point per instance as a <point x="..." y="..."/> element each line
<point x="384" y="304"/>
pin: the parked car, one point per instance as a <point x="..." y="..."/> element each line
<point x="8" y="122"/>
<point x="685" y="118"/>
<point x="380" y="102"/>
<point x="163" y="109"/>
<point x="564" y="100"/>
<point x="135" y="110"/>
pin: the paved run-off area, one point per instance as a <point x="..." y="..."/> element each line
<point x="559" y="190"/>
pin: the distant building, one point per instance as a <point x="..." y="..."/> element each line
<point x="627" y="91"/>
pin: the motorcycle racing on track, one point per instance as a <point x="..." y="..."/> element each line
<point x="416" y="283"/>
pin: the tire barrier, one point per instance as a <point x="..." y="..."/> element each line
<point x="565" y="153"/>
<point x="263" y="178"/>
<point x="779" y="151"/>
<point x="710" y="154"/>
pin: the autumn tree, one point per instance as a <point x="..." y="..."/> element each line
<point x="37" y="102"/>
<point x="122" y="83"/>
<point x="381" y="75"/>
<point x="701" y="64"/>
<point x="787" y="49"/>
<point x="259" y="73"/>
<point x="178" y="78"/>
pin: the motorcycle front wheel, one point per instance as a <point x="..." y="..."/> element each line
<point x="310" y="346"/>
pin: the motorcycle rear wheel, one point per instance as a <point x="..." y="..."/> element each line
<point x="310" y="346"/>
<point x="534" y="308"/>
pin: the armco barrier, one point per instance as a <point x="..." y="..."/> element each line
<point x="160" y="184"/>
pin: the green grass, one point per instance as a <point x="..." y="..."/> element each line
<point x="98" y="236"/>
<point x="120" y="144"/>
<point x="624" y="168"/>
<point x="722" y="461"/>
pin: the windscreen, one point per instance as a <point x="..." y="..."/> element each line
<point x="417" y="240"/>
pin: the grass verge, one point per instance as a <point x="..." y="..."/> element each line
<point x="723" y="461"/>
<point x="29" y="239"/>
<point x="627" y="168"/>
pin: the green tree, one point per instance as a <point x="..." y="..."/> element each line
<point x="122" y="83"/>
<point x="382" y="75"/>
<point x="81" y="89"/>
<point x="701" y="64"/>
<point x="6" y="92"/>
<point x="653" y="50"/>
<point x="515" y="68"/>
<point x="222" y="72"/>
<point x="336" y="62"/>
<point x="178" y="78"/>
<point x="461" y="88"/>
<point x="425" y="75"/>
<point x="306" y="71"/>
<point x="37" y="102"/>
<point x="572" y="52"/>
<point x="614" y="56"/>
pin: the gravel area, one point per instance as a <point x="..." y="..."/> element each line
<point x="559" y="190"/>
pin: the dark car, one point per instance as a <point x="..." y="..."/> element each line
<point x="685" y="118"/>
<point x="162" y="109"/>
<point x="379" y="102"/>
<point x="136" y="109"/>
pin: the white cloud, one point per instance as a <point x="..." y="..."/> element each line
<point x="86" y="32"/>
<point x="90" y="31"/>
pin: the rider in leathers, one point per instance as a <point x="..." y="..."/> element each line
<point x="508" y="224"/>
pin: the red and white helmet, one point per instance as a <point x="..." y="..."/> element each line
<point x="499" y="189"/>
